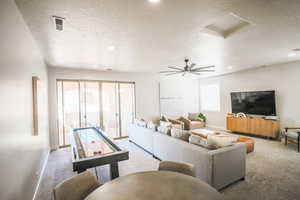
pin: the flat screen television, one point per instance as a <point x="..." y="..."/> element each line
<point x="255" y="103"/>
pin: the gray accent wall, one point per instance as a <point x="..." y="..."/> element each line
<point x="22" y="154"/>
<point x="283" y="78"/>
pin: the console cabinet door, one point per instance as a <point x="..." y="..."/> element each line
<point x="256" y="126"/>
<point x="242" y="125"/>
<point x="271" y="129"/>
<point x="231" y="124"/>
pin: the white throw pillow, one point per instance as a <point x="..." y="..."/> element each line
<point x="140" y="122"/>
<point x="165" y="124"/>
<point x="151" y="125"/>
<point x="164" y="130"/>
<point x="180" y="134"/>
<point x="221" y="140"/>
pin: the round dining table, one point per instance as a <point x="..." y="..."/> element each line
<point x="155" y="185"/>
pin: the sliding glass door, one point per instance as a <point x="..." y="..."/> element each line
<point x="109" y="105"/>
<point x="127" y="106"/>
<point x="68" y="109"/>
<point x="90" y="103"/>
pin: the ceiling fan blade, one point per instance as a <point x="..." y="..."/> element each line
<point x="199" y="68"/>
<point x="173" y="73"/>
<point x="176" y="68"/>
<point x="168" y="71"/>
<point x="196" y="73"/>
<point x="192" y="65"/>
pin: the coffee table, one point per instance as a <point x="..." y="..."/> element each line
<point x="205" y="132"/>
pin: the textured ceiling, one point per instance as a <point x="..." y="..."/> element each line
<point x="148" y="36"/>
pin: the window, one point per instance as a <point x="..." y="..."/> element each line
<point x="210" y="97"/>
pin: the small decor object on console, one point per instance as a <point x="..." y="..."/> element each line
<point x="272" y="118"/>
<point x="240" y="114"/>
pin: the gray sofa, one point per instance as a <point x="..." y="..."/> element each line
<point x="219" y="167"/>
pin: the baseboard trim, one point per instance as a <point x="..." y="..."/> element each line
<point x="41" y="175"/>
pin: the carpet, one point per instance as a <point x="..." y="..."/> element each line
<point x="273" y="171"/>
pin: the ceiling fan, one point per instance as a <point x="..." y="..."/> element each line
<point x="192" y="69"/>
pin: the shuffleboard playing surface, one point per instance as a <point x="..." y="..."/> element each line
<point x="93" y="144"/>
<point x="91" y="148"/>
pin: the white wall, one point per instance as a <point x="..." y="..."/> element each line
<point x="179" y="95"/>
<point x="283" y="78"/>
<point x="22" y="154"/>
<point x="147" y="94"/>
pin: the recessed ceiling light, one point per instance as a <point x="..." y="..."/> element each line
<point x="292" y="54"/>
<point x="154" y="1"/>
<point x="111" y="48"/>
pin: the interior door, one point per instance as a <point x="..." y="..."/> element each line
<point x="110" y="109"/>
<point x="127" y="106"/>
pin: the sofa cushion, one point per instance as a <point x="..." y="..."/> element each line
<point x="200" y="141"/>
<point x="180" y="134"/>
<point x="164" y="130"/>
<point x="221" y="140"/>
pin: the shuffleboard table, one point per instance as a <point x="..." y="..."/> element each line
<point x="92" y="148"/>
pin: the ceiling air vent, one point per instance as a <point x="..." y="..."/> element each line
<point x="58" y="22"/>
<point x="227" y="25"/>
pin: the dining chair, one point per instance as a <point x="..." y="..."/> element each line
<point x="77" y="187"/>
<point x="183" y="168"/>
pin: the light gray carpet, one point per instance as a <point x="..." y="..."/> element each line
<point x="273" y="171"/>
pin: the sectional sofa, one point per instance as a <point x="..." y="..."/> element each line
<point x="219" y="168"/>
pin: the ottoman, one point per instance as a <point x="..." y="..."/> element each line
<point x="249" y="143"/>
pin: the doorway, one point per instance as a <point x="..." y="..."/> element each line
<point x="107" y="105"/>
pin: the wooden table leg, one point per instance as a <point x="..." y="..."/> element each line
<point x="114" y="170"/>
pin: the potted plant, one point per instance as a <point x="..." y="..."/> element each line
<point x="202" y="117"/>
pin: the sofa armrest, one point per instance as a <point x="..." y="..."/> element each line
<point x="229" y="165"/>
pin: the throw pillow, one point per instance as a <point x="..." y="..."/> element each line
<point x="140" y="122"/>
<point x="221" y="140"/>
<point x="164" y="130"/>
<point x="200" y="141"/>
<point x="165" y="124"/>
<point x="164" y="118"/>
<point x="193" y="116"/>
<point x="180" y="134"/>
<point x="151" y="125"/>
